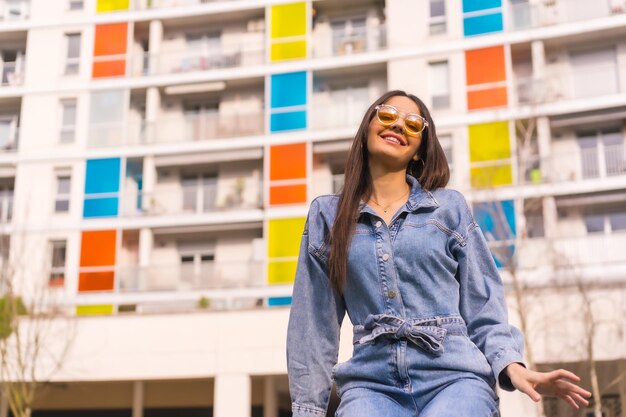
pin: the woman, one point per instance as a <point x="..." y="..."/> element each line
<point x="404" y="257"/>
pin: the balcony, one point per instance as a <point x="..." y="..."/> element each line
<point x="233" y="54"/>
<point x="524" y="15"/>
<point x="178" y="128"/>
<point x="14" y="10"/>
<point x="9" y="136"/>
<point x="182" y="277"/>
<point x="338" y="114"/>
<point x="12" y="73"/>
<point x="208" y="195"/>
<point x="357" y="40"/>
<point x="160" y="4"/>
<point x="568" y="84"/>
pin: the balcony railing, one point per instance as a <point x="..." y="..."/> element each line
<point x="12" y="73"/>
<point x="177" y="128"/>
<point x="568" y="85"/>
<point x="9" y="141"/>
<point x="527" y="15"/>
<point x="158" y="4"/>
<point x="360" y="40"/>
<point x="338" y="115"/>
<point x="230" y="55"/>
<point x="242" y="193"/>
<point x="184" y="277"/>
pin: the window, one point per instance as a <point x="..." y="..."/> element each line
<point x="62" y="200"/>
<point x="8" y="132"/>
<point x="76" y="4"/>
<point x="594" y="72"/>
<point x="605" y="219"/>
<point x="68" y="121"/>
<point x="349" y="35"/>
<point x="72" y="63"/>
<point x="197" y="260"/>
<point x="602" y="153"/>
<point x="199" y="193"/>
<point x="57" y="270"/>
<point x="440" y="82"/>
<point x="6" y="201"/>
<point x="437" y="17"/>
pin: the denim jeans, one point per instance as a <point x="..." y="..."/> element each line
<point x="395" y="377"/>
<point x="427" y="304"/>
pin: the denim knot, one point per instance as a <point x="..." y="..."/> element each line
<point x="427" y="337"/>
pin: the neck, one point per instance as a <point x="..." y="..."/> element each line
<point x="388" y="186"/>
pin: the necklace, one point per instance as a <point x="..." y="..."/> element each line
<point x="391" y="204"/>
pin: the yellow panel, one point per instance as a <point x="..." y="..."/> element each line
<point x="288" y="50"/>
<point x="94" y="310"/>
<point x="489" y="141"/>
<point x="112" y="5"/>
<point x="284" y="237"/>
<point x="281" y="272"/>
<point x="288" y="20"/>
<point x="487" y="177"/>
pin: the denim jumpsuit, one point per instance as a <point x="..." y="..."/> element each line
<point x="428" y="310"/>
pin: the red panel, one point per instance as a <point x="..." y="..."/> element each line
<point x="95" y="281"/>
<point x="485" y="65"/>
<point x="98" y="248"/>
<point x="484" y="99"/>
<point x="288" y="161"/>
<point x="288" y="194"/>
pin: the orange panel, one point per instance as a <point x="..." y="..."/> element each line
<point x="111" y="39"/>
<point x="484" y="99"/>
<point x="110" y="47"/>
<point x="485" y="65"/>
<point x="109" y="68"/>
<point x="95" y="281"/>
<point x="98" y="248"/>
<point x="288" y="161"/>
<point x="288" y="194"/>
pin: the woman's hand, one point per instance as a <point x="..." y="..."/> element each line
<point x="554" y="384"/>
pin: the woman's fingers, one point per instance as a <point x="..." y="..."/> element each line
<point x="569" y="400"/>
<point x="527" y="389"/>
<point x="562" y="373"/>
<point x="579" y="399"/>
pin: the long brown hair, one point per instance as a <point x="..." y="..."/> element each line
<point x="432" y="172"/>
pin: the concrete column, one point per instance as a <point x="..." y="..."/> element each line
<point x="270" y="400"/>
<point x="538" y="55"/>
<point x="154" y="45"/>
<point x="138" y="399"/>
<point x="153" y="107"/>
<point x="146" y="242"/>
<point x="544" y="143"/>
<point x="550" y="217"/>
<point x="232" y="396"/>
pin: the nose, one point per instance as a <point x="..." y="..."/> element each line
<point x="398" y="125"/>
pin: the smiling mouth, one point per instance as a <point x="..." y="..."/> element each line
<point x="392" y="139"/>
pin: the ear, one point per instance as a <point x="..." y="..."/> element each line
<point x="415" y="157"/>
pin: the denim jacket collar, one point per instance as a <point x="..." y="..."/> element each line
<point x="418" y="198"/>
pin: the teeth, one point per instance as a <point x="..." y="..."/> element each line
<point x="392" y="139"/>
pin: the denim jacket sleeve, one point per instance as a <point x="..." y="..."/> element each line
<point x="315" y="319"/>
<point x="483" y="303"/>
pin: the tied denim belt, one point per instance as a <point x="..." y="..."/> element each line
<point x="427" y="334"/>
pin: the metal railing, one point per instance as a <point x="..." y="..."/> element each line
<point x="12" y="73"/>
<point x="242" y="193"/>
<point x="528" y="15"/>
<point x="366" y="39"/>
<point x="568" y="84"/>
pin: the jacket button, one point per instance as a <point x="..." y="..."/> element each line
<point x="378" y="224"/>
<point x="385" y="257"/>
<point x="392" y="294"/>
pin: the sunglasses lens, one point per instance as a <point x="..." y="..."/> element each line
<point x="387" y="115"/>
<point x="414" y="124"/>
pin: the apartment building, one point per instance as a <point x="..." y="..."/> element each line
<point x="157" y="158"/>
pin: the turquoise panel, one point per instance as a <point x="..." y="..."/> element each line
<point x="288" y="121"/>
<point x="496" y="219"/>
<point x="482" y="24"/>
<point x="476" y="5"/>
<point x="100" y="207"/>
<point x="103" y="176"/>
<point x="279" y="301"/>
<point x="288" y="89"/>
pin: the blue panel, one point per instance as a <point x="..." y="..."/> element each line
<point x="103" y="176"/>
<point x="288" y="121"/>
<point x="496" y="219"/>
<point x="476" y="5"/>
<point x="279" y="301"/>
<point x="482" y="24"/>
<point x="288" y="89"/>
<point x="100" y="207"/>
